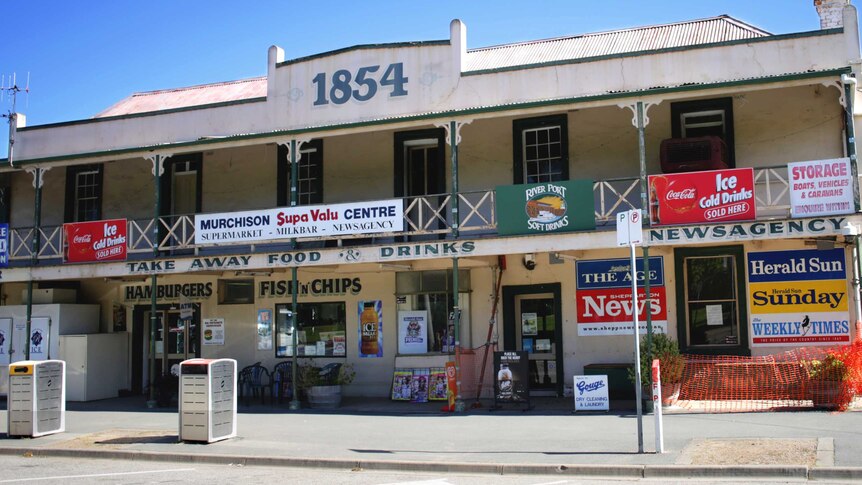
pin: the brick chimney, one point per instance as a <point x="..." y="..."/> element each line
<point x="831" y="12"/>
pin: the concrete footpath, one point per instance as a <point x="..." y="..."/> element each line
<point x="549" y="439"/>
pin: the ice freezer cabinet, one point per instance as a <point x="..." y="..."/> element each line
<point x="36" y="402"/>
<point x="207" y="399"/>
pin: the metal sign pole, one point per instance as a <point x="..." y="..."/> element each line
<point x="630" y="233"/>
<point x="638" y="386"/>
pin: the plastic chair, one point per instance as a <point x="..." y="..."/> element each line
<point x="254" y="380"/>
<point x="282" y="378"/>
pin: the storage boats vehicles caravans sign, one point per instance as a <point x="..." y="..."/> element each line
<point x="798" y="298"/>
<point x="300" y="222"/>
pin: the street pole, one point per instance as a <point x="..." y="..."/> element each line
<point x="34" y="255"/>
<point x="294" y="284"/>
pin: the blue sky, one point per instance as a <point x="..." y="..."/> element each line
<point x="82" y="57"/>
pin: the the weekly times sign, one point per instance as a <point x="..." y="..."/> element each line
<point x="798" y="297"/>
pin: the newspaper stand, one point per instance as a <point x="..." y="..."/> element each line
<point x="36" y="402"/>
<point x="207" y="400"/>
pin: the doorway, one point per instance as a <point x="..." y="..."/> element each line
<point x="176" y="339"/>
<point x="532" y="322"/>
<point x="420" y="173"/>
<point x="710" y="295"/>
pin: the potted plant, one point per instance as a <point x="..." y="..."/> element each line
<point x="321" y="386"/>
<point x="828" y="384"/>
<point x="671" y="362"/>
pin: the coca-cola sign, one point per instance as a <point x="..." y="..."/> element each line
<point x="696" y="197"/>
<point x="86" y="242"/>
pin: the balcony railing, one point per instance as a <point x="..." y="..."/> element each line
<point x="429" y="216"/>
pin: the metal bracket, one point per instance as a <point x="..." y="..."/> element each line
<point x="41" y="171"/>
<point x="634" y="108"/>
<point x="158" y="161"/>
<point x="458" y="125"/>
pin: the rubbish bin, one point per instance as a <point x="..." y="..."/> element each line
<point x="36" y="401"/>
<point x="207" y="403"/>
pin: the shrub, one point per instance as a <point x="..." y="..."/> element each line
<point x="666" y="350"/>
<point x="310" y="375"/>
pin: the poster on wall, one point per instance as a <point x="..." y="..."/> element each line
<point x="820" y="188"/>
<point x="697" y="197"/>
<point x="413" y="332"/>
<point x="264" y="329"/>
<point x="591" y="393"/>
<point x="798" y="297"/>
<point x="213" y="331"/>
<point x="401" y="389"/>
<point x="512" y="383"/>
<point x="604" y="296"/>
<point x="547" y="207"/>
<point x="39" y="338"/>
<point x="370" y="328"/>
<point x="85" y="242"/>
<point x="5" y="340"/>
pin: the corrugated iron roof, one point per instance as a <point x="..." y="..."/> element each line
<point x="688" y="33"/>
<point x="693" y="32"/>
<point x="188" y="96"/>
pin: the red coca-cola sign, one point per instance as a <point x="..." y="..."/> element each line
<point x="95" y="241"/>
<point x="697" y="197"/>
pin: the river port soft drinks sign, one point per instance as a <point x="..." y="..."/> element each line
<point x="798" y="297"/>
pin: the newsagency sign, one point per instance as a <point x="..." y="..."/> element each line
<point x="798" y="298"/>
<point x="547" y="207"/>
<point x="300" y="222"/>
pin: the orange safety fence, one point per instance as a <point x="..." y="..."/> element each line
<point x="819" y="377"/>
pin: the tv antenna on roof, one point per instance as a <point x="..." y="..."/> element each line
<point x="9" y="84"/>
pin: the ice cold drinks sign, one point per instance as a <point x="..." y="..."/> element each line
<point x="695" y="197"/>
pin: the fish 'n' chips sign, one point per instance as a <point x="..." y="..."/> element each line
<point x="798" y="297"/>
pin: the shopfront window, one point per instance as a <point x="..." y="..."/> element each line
<point x="321" y="330"/>
<point x="431" y="292"/>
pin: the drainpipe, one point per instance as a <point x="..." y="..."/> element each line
<point x="849" y="83"/>
<point x="34" y="253"/>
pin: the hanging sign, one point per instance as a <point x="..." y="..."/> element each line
<point x="696" y="197"/>
<point x="4" y="245"/>
<point x="85" y="242"/>
<point x="604" y="296"/>
<point x="798" y="298"/>
<point x="302" y="221"/>
<point x="548" y="207"/>
<point x="820" y="188"/>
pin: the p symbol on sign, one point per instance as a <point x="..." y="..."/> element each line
<point x="636" y="215"/>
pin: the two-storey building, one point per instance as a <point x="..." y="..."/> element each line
<point x="376" y="189"/>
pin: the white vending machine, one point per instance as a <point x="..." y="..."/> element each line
<point x="207" y="399"/>
<point x="36" y="401"/>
